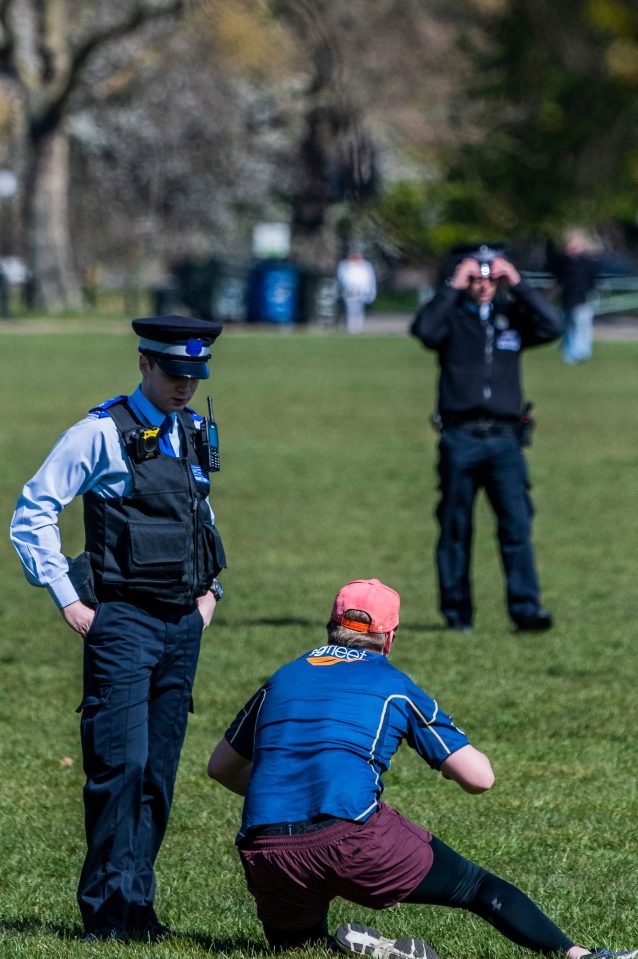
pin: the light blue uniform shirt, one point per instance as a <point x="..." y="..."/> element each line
<point x="89" y="456"/>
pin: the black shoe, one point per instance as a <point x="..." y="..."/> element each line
<point x="155" y="931"/>
<point x="458" y="626"/>
<point x="106" y="934"/>
<point x="353" y="938"/>
<point x="538" y="622"/>
<point x="143" y="925"/>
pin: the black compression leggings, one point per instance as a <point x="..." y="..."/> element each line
<point x="457" y="882"/>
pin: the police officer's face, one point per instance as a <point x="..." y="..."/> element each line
<point x="167" y="393"/>
<point x="482" y="289"/>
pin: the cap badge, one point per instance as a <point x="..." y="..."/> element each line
<point x="194" y="347"/>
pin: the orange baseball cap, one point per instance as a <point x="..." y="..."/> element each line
<point x="370" y="596"/>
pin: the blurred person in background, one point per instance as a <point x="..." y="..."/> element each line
<point x="357" y="285"/>
<point x="576" y="273"/>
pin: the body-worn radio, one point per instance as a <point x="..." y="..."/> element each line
<point x="143" y="443"/>
<point x="209" y="441"/>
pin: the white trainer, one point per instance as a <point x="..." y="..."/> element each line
<point x="359" y="940"/>
<point x="611" y="954"/>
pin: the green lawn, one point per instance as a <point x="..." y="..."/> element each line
<point x="328" y="475"/>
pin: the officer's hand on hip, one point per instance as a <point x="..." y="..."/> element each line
<point x="206" y="605"/>
<point x="78" y="616"/>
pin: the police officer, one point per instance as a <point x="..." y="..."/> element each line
<point x="478" y="323"/>
<point x="140" y="596"/>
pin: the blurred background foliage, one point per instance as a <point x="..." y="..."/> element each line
<point x="143" y="133"/>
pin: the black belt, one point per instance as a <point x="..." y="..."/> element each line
<point x="293" y="828"/>
<point x="480" y="426"/>
<point x="147" y="602"/>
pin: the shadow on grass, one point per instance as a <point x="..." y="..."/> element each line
<point x="224" y="944"/>
<point x="35" y="924"/>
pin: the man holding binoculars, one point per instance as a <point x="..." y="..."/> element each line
<point x="479" y="322"/>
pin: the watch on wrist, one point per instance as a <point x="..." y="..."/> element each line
<point x="216" y="589"/>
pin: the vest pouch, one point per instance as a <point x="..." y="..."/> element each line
<point x="158" y="551"/>
<point x="214" y="555"/>
<point x="81" y="576"/>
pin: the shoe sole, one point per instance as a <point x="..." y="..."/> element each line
<point x="120" y="937"/>
<point x="537" y="628"/>
<point x="354" y="938"/>
<point x="139" y="936"/>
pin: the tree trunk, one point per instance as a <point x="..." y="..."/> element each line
<point x="53" y="282"/>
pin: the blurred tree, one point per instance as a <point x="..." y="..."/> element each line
<point x="374" y="98"/>
<point x="337" y="156"/>
<point x="407" y="124"/>
<point x="355" y="94"/>
<point x="46" y="47"/>
<point x="554" y="115"/>
<point x="180" y="140"/>
<point x="185" y="147"/>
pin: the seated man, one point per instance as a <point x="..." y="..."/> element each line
<point x="308" y="751"/>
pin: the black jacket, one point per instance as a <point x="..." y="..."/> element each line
<point x="480" y="360"/>
<point x="577" y="276"/>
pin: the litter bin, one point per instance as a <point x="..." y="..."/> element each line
<point x="211" y="289"/>
<point x="5" y="312"/>
<point x="274" y="292"/>
<point x="320" y="299"/>
<point x="228" y="292"/>
<point x="194" y="282"/>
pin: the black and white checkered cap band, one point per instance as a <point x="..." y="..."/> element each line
<point x="194" y="349"/>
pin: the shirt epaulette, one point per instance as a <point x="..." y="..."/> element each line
<point x="102" y="410"/>
<point x="196" y="417"/>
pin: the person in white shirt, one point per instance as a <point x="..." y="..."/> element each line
<point x="357" y="287"/>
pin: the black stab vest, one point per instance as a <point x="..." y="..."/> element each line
<point x="158" y="543"/>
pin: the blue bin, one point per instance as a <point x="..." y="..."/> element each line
<point x="273" y="292"/>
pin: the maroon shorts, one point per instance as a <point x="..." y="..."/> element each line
<point x="376" y="863"/>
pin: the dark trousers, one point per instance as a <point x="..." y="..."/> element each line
<point x="139" y="669"/>
<point x="467" y="462"/>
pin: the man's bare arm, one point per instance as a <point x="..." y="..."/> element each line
<point x="227" y="767"/>
<point x="469" y="768"/>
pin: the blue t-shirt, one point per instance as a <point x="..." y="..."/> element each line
<point x="322" y="730"/>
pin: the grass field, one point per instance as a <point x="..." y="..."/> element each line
<point x="327" y="475"/>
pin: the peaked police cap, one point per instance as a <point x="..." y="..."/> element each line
<point x="180" y="344"/>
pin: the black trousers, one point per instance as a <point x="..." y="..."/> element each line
<point x="467" y="462"/>
<point x="139" y="669"/>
